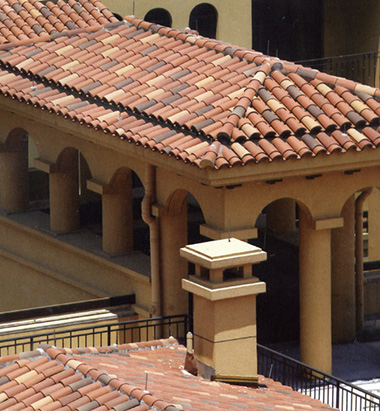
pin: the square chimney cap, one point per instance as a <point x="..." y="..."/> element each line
<point x="223" y="253"/>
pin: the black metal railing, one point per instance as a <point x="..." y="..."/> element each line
<point x="103" y="335"/>
<point x="363" y="67"/>
<point x="328" y="389"/>
<point x="315" y="383"/>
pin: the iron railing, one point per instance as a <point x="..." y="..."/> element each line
<point x="328" y="389"/>
<point x="317" y="384"/>
<point x="363" y="67"/>
<point x="103" y="335"/>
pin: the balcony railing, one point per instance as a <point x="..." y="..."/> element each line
<point x="103" y="335"/>
<point x="363" y="67"/>
<point x="328" y="389"/>
<point x="317" y="384"/>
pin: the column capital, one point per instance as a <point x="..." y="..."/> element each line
<point x="254" y="287"/>
<point x="219" y="234"/>
<point x="44" y="165"/>
<point x="327" y="223"/>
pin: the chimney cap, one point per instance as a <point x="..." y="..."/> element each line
<point x="223" y="253"/>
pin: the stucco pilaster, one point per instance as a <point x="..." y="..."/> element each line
<point x="315" y="295"/>
<point x="117" y="206"/>
<point x="14" y="190"/>
<point x="173" y="236"/>
<point x="373" y="202"/>
<point x="64" y="201"/>
<point x="343" y="277"/>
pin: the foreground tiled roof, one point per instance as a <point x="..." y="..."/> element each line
<point x="32" y="19"/>
<point x="200" y="101"/>
<point x="138" y="376"/>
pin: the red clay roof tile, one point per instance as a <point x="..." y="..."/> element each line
<point x="172" y="78"/>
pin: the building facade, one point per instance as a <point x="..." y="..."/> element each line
<point x="140" y="134"/>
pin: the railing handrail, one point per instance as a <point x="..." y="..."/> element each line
<point x="314" y="373"/>
<point x="144" y="321"/>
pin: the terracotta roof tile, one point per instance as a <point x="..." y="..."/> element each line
<point x="196" y="88"/>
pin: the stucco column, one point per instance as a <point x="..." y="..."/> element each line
<point x="315" y="295"/>
<point x="64" y="202"/>
<point x="118" y="222"/>
<point x="173" y="236"/>
<point x="343" y="277"/>
<point x="281" y="216"/>
<point x="14" y="188"/>
<point x="373" y="202"/>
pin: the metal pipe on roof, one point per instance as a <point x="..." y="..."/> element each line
<point x="146" y="206"/>
<point x="359" y="273"/>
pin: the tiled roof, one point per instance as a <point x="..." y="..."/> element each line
<point x="133" y="376"/>
<point x="33" y="19"/>
<point x="200" y="101"/>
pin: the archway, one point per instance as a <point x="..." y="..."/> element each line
<point x="38" y="180"/>
<point x="159" y="16"/>
<point x="278" y="308"/>
<point x="20" y="183"/>
<point x="72" y="204"/>
<point x="356" y="268"/>
<point x="123" y="228"/>
<point x="204" y="19"/>
<point x="179" y="226"/>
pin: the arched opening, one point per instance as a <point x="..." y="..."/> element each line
<point x="179" y="226"/>
<point x="362" y="279"/>
<point x="72" y="205"/>
<point x="123" y="230"/>
<point x="278" y="308"/>
<point x="204" y="19"/>
<point x="21" y="186"/>
<point x="38" y="180"/>
<point x="159" y="16"/>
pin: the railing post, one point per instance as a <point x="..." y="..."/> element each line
<point x="337" y="394"/>
<point x="109" y="335"/>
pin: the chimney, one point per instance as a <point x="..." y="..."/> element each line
<point x="224" y="308"/>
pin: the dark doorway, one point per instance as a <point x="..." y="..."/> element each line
<point x="289" y="29"/>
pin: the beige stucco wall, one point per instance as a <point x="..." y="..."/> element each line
<point x="234" y="17"/>
<point x="38" y="270"/>
<point x="351" y="26"/>
<point x="318" y="184"/>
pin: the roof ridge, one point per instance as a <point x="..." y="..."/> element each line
<point x="244" y="102"/>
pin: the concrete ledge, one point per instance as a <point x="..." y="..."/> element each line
<point x="225" y="292"/>
<point x="72" y="251"/>
<point x="328" y="223"/>
<point x="95" y="186"/>
<point x="158" y="210"/>
<point x="216" y="234"/>
<point x="43" y="165"/>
